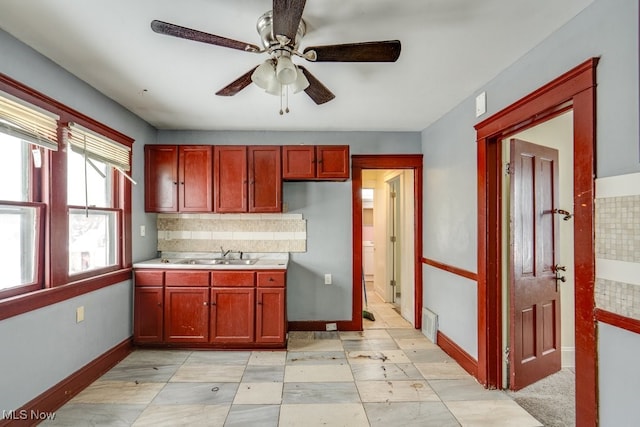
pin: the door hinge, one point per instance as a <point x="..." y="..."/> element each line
<point x="393" y="194"/>
<point x="392" y="239"/>
<point x="393" y="283"/>
<point x="507" y="168"/>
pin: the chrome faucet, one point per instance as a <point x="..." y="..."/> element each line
<point x="224" y="253"/>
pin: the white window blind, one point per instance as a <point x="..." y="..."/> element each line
<point x="28" y="122"/>
<point x="99" y="148"/>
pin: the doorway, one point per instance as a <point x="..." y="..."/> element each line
<point x="573" y="90"/>
<point x="404" y="172"/>
<point x="388" y="247"/>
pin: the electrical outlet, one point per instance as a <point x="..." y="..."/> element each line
<point x="327" y="279"/>
<point x="80" y="314"/>
<point x="143" y="231"/>
<point x="332" y="326"/>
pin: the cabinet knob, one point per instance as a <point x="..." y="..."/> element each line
<point x="175" y="182"/>
<point x="271" y="279"/>
<point x="259" y="302"/>
<point x="182" y="183"/>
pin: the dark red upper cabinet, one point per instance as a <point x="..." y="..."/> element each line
<point x="178" y="178"/>
<point x="315" y="163"/>
<point x="195" y="189"/>
<point x="161" y="178"/>
<point x="230" y="178"/>
<point x="265" y="179"/>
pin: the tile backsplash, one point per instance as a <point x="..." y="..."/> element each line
<point x="617" y="241"/>
<point x="235" y="232"/>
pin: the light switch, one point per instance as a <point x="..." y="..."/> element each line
<point x="143" y="231"/>
<point x="327" y="279"/>
<point x="80" y="314"/>
<point x="481" y="104"/>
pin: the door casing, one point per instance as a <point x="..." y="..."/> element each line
<point x="575" y="89"/>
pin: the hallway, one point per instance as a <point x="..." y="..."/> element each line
<point x="389" y="374"/>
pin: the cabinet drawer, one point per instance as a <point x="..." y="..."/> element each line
<point x="232" y="278"/>
<point x="271" y="279"/>
<point x="148" y="278"/>
<point x="187" y="278"/>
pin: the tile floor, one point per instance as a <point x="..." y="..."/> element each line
<point x="387" y="375"/>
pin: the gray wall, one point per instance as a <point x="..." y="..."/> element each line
<point x="327" y="208"/>
<point x="44" y="346"/>
<point x="606" y="29"/>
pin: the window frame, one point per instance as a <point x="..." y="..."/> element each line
<point x="49" y="192"/>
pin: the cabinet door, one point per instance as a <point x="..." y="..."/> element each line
<point x="186" y="314"/>
<point x="148" y="314"/>
<point x="232" y="315"/>
<point x="160" y="178"/>
<point x="298" y="162"/>
<point x="195" y="169"/>
<point x="270" y="313"/>
<point x="230" y="178"/>
<point x="332" y="162"/>
<point x="265" y="179"/>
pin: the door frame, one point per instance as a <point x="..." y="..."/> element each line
<point x="385" y="161"/>
<point x="575" y="90"/>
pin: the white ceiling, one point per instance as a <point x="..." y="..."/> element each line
<point x="450" y="48"/>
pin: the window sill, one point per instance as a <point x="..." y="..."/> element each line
<point x="24" y="303"/>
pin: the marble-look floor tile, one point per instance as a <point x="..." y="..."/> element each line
<point x="410" y="414"/>
<point x="150" y="374"/>
<point x="465" y="389"/>
<point x="155" y="358"/>
<point x="386" y="356"/>
<point x="396" y="391"/>
<point x="315" y="345"/>
<point x="401" y="333"/>
<point x="326" y="335"/>
<point x="442" y="371"/>
<point x="89" y="415"/>
<point x="431" y="355"/>
<point x="385" y="371"/>
<point x="316" y="358"/>
<point x="258" y="394"/>
<point x="218" y="357"/>
<point x="182" y="415"/>
<point x="193" y="393"/>
<point x="415" y="344"/>
<point x="492" y="413"/>
<point x="208" y="373"/>
<point x="351" y="335"/>
<point x="268" y="358"/>
<point x="317" y="373"/>
<point x="119" y="392"/>
<point x="322" y="415"/>
<point x="263" y="374"/>
<point x="337" y="392"/>
<point x="253" y="416"/>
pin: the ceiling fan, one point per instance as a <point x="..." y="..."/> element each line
<point x="281" y="30"/>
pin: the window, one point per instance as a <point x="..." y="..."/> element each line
<point x="54" y="236"/>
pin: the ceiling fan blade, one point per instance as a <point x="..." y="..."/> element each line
<point x="286" y="17"/>
<point x="316" y="90"/>
<point x="382" y="51"/>
<point x="237" y="85"/>
<point x="190" y="34"/>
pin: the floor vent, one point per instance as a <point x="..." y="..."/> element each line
<point x="429" y="324"/>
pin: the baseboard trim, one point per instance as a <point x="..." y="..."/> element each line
<point x="463" y="358"/>
<point x="52" y="399"/>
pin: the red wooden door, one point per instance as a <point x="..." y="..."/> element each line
<point x="535" y="300"/>
<point x="148" y="314"/>
<point x="160" y="178"/>
<point x="230" y="178"/>
<point x="298" y="162"/>
<point x="265" y="179"/>
<point x="232" y="315"/>
<point x="270" y="315"/>
<point x="332" y="161"/>
<point x="186" y="314"/>
<point x="195" y="170"/>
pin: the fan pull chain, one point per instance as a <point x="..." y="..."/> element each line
<point x="281" y="112"/>
<point x="287" y="109"/>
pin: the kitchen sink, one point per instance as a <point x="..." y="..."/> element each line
<point x="219" y="261"/>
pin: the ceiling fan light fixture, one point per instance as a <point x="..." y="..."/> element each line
<point x="286" y="71"/>
<point x="301" y="82"/>
<point x="265" y="75"/>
